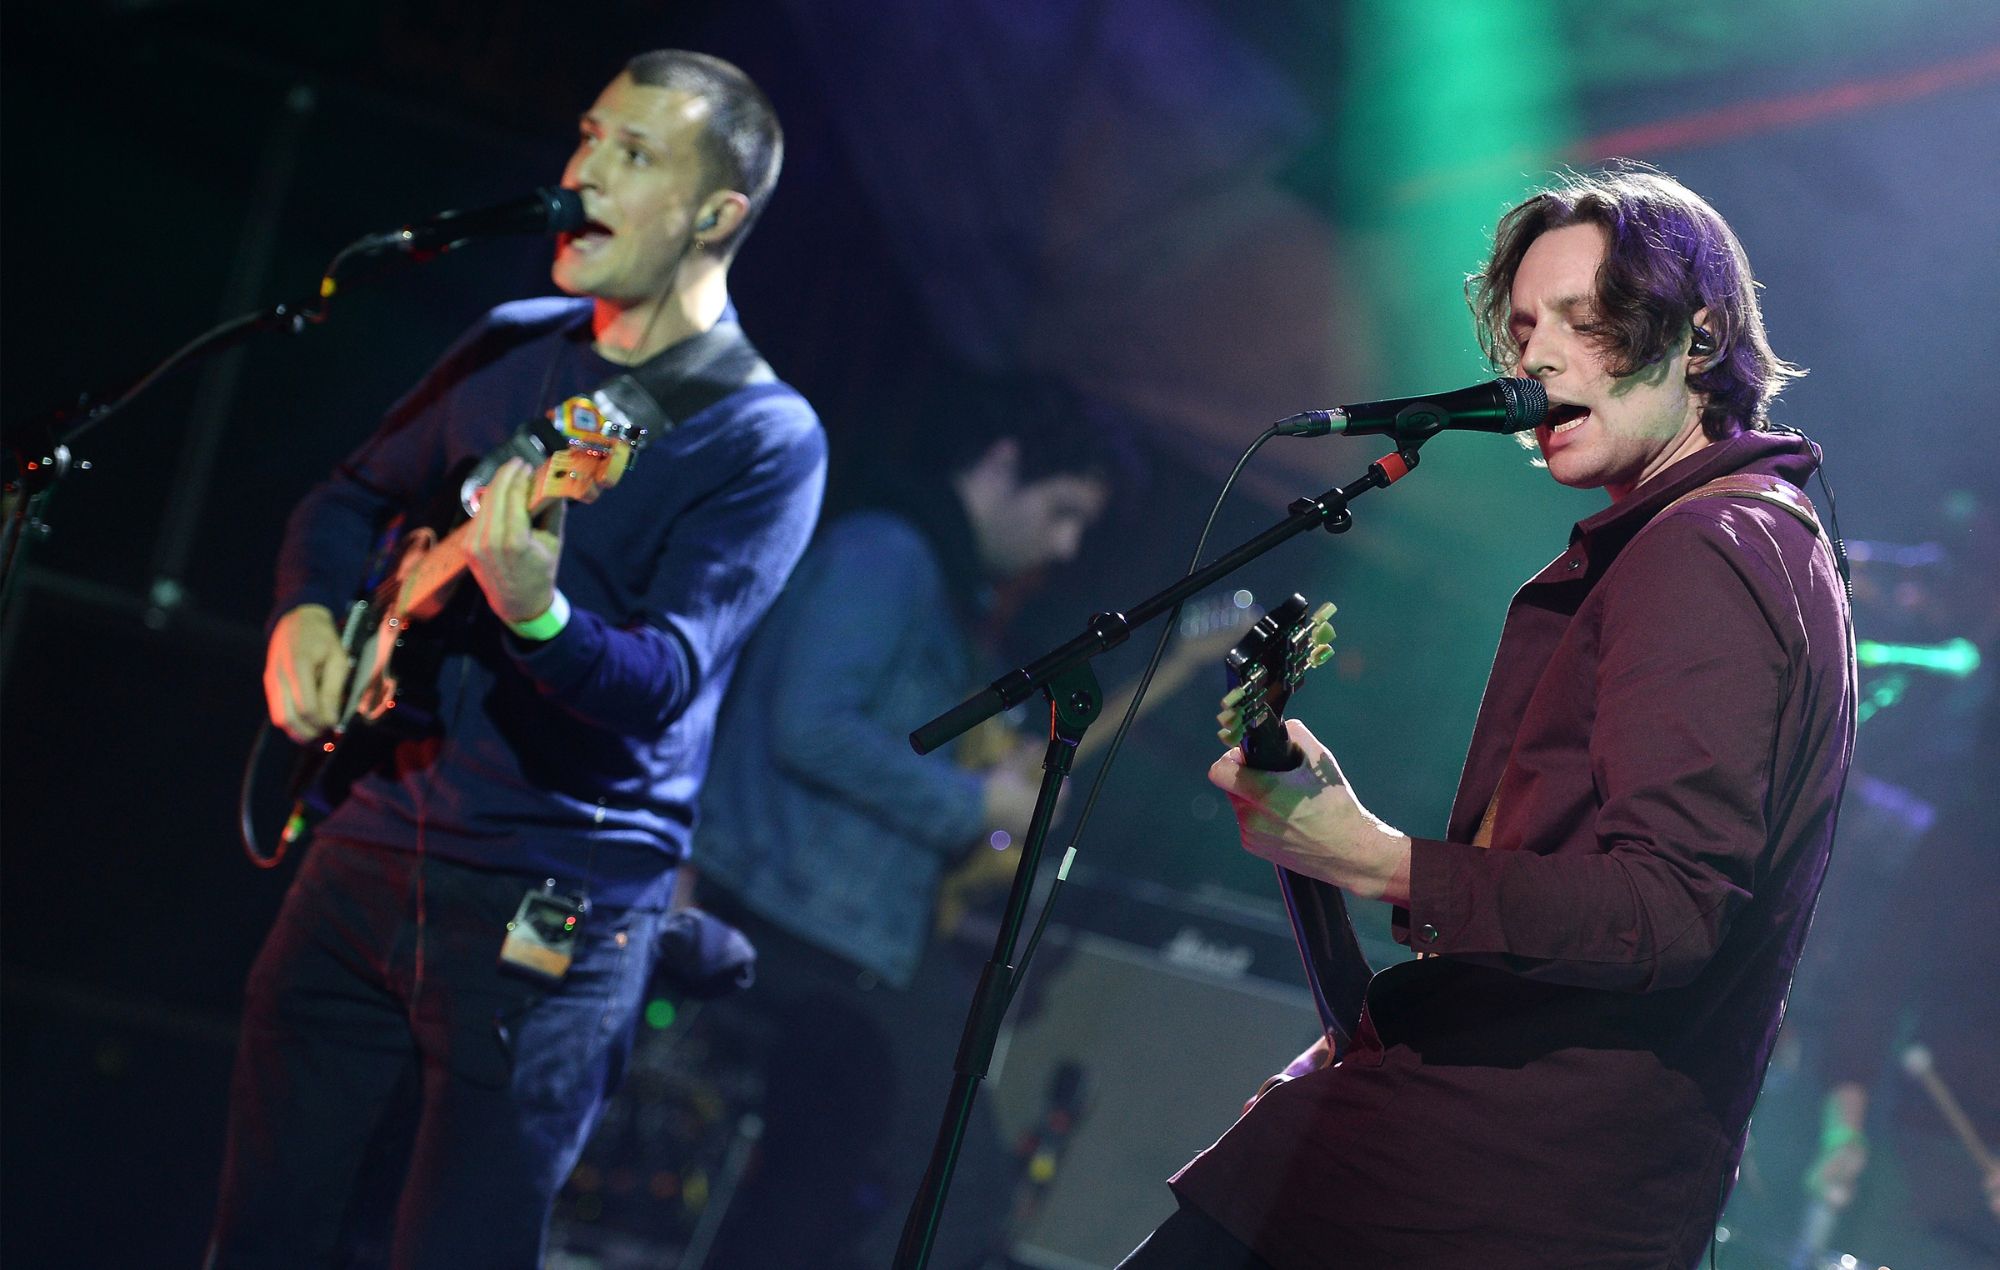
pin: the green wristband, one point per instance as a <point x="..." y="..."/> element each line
<point x="548" y="625"/>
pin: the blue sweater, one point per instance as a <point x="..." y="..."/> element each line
<point x="578" y="758"/>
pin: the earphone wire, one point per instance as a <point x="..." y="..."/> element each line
<point x="1832" y="511"/>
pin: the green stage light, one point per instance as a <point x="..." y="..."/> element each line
<point x="1955" y="657"/>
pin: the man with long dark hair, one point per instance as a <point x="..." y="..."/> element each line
<point x="1609" y="925"/>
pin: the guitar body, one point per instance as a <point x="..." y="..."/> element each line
<point x="382" y="664"/>
<point x="390" y="697"/>
<point x="1266" y="666"/>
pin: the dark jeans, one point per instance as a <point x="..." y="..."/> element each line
<point x="397" y="1095"/>
<point x="1190" y="1240"/>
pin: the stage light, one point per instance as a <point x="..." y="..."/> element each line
<point x="1955" y="657"/>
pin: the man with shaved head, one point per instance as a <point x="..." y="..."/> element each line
<point x="405" y="1045"/>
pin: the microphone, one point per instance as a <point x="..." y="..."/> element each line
<point x="1506" y="404"/>
<point x="545" y="211"/>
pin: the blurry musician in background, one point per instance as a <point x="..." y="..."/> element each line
<point x="1907" y="979"/>
<point x="581" y="673"/>
<point x="1611" y="921"/>
<point x="1921" y="1007"/>
<point x="826" y="839"/>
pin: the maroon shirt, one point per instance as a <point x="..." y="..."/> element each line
<point x="1567" y="1083"/>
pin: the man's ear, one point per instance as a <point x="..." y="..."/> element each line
<point x="721" y="215"/>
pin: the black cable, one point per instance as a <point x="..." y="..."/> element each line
<point x="1832" y="512"/>
<point x="246" y="820"/>
<point x="296" y="317"/>
<point x="1167" y="629"/>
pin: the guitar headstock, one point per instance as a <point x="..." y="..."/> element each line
<point x="597" y="449"/>
<point x="1265" y="667"/>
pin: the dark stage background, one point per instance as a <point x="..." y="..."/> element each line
<point x="1205" y="215"/>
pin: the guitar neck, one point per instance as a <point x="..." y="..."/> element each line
<point x="1265" y="667"/>
<point x="1269" y="748"/>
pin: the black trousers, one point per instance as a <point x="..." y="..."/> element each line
<point x="1190" y="1240"/>
<point x="397" y="1096"/>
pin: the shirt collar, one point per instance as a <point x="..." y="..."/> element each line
<point x="675" y="360"/>
<point x="1785" y="455"/>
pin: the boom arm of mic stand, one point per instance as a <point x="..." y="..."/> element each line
<point x="55" y="429"/>
<point x="34" y="455"/>
<point x="1108" y="630"/>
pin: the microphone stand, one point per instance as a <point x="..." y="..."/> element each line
<point x="36" y="455"/>
<point x="1063" y="675"/>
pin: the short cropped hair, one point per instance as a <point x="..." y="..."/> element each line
<point x="742" y="145"/>
<point x="1670" y="255"/>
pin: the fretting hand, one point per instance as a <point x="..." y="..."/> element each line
<point x="1307" y="820"/>
<point x="513" y="556"/>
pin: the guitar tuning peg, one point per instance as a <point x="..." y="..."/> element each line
<point x="1228" y="718"/>
<point x="1324" y="611"/>
<point x="1321" y="654"/>
<point x="1322" y="634"/>
<point x="1228" y="736"/>
<point x="1233" y="697"/>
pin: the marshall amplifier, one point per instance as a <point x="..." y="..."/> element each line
<point x="1148" y="1017"/>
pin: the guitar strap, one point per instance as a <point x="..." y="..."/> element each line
<point x="658" y="396"/>
<point x="1769" y="489"/>
<point x="661" y="395"/>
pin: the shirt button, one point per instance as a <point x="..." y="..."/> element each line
<point x="1429" y="933"/>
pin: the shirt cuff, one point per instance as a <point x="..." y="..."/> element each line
<point x="1438" y="916"/>
<point x="548" y="624"/>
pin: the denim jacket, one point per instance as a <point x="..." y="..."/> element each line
<point x="816" y="813"/>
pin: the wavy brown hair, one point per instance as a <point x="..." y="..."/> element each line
<point x="1671" y="255"/>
